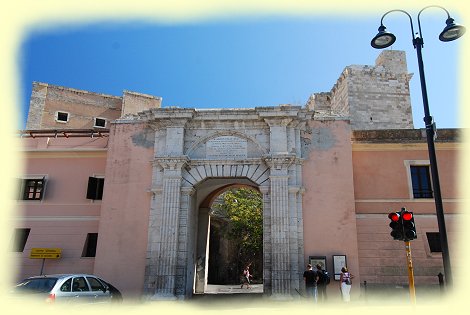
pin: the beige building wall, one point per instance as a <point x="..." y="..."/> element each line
<point x="328" y="202"/>
<point x="64" y="217"/>
<point x="123" y="226"/>
<point x="382" y="184"/>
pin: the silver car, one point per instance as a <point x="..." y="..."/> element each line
<point x="81" y="288"/>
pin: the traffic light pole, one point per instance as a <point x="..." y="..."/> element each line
<point x="410" y="273"/>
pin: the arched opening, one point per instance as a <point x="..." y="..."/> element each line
<point x="234" y="215"/>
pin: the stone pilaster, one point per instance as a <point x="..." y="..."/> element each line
<point x="164" y="246"/>
<point x="184" y="277"/>
<point x="281" y="264"/>
<point x="294" y="238"/>
<point x="267" y="243"/>
<point x="280" y="236"/>
<point x="278" y="134"/>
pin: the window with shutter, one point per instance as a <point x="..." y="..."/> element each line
<point x="434" y="242"/>
<point x="95" y="188"/>
<point x="32" y="188"/>
<point x="89" y="249"/>
<point x="421" y="181"/>
<point x="19" y="239"/>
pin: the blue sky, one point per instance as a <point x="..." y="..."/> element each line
<point x="236" y="62"/>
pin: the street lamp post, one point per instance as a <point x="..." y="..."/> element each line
<point x="451" y="32"/>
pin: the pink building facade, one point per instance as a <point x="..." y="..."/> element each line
<point x="122" y="185"/>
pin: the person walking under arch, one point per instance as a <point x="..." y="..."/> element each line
<point x="246" y="277"/>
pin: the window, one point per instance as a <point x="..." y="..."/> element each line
<point x="421" y="181"/>
<point x="32" y="188"/>
<point x="19" y="239"/>
<point x="67" y="286"/>
<point x="95" y="284"/>
<point x="62" y="117"/>
<point x="434" y="242"/>
<point x="79" y="285"/>
<point x="100" y="122"/>
<point x="95" y="188"/>
<point x="89" y="250"/>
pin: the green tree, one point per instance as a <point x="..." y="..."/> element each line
<point x="242" y="208"/>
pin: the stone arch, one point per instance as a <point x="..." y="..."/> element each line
<point x="204" y="236"/>
<point x="197" y="171"/>
<point x="207" y="202"/>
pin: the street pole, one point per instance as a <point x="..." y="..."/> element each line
<point x="451" y="31"/>
<point x="411" y="278"/>
<point x="418" y="43"/>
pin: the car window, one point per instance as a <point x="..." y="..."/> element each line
<point x="79" y="284"/>
<point x="66" y="286"/>
<point x="37" y="284"/>
<point x="95" y="284"/>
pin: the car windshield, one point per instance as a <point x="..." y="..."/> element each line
<point x="36" y="285"/>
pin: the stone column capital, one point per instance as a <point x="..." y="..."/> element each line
<point x="279" y="162"/>
<point x="264" y="189"/>
<point x="294" y="189"/>
<point x="188" y="190"/>
<point x="171" y="163"/>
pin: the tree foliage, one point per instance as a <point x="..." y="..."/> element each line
<point x="243" y="209"/>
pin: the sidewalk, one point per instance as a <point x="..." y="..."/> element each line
<point x="233" y="289"/>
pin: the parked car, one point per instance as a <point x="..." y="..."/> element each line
<point x="81" y="288"/>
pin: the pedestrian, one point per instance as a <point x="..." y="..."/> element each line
<point x="345" y="282"/>
<point x="311" y="278"/>
<point x="323" y="281"/>
<point x="246" y="277"/>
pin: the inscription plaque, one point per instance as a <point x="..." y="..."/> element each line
<point x="226" y="148"/>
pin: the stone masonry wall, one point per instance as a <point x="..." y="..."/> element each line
<point x="82" y="107"/>
<point x="36" y="105"/>
<point x="371" y="97"/>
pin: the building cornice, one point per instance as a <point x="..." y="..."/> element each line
<point x="64" y="153"/>
<point x="356" y="147"/>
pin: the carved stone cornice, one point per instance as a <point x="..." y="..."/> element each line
<point x="160" y="118"/>
<point x="278" y="121"/>
<point x="173" y="122"/>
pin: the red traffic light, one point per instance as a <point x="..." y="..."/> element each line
<point x="394" y="216"/>
<point x="407" y="216"/>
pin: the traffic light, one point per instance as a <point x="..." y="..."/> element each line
<point x="409" y="227"/>
<point x="397" y="225"/>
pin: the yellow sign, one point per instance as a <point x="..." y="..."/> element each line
<point x="49" y="253"/>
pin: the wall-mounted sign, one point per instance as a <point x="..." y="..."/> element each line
<point x="314" y="260"/>
<point x="45" y="253"/>
<point x="339" y="261"/>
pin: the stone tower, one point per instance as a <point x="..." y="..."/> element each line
<point x="372" y="97"/>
